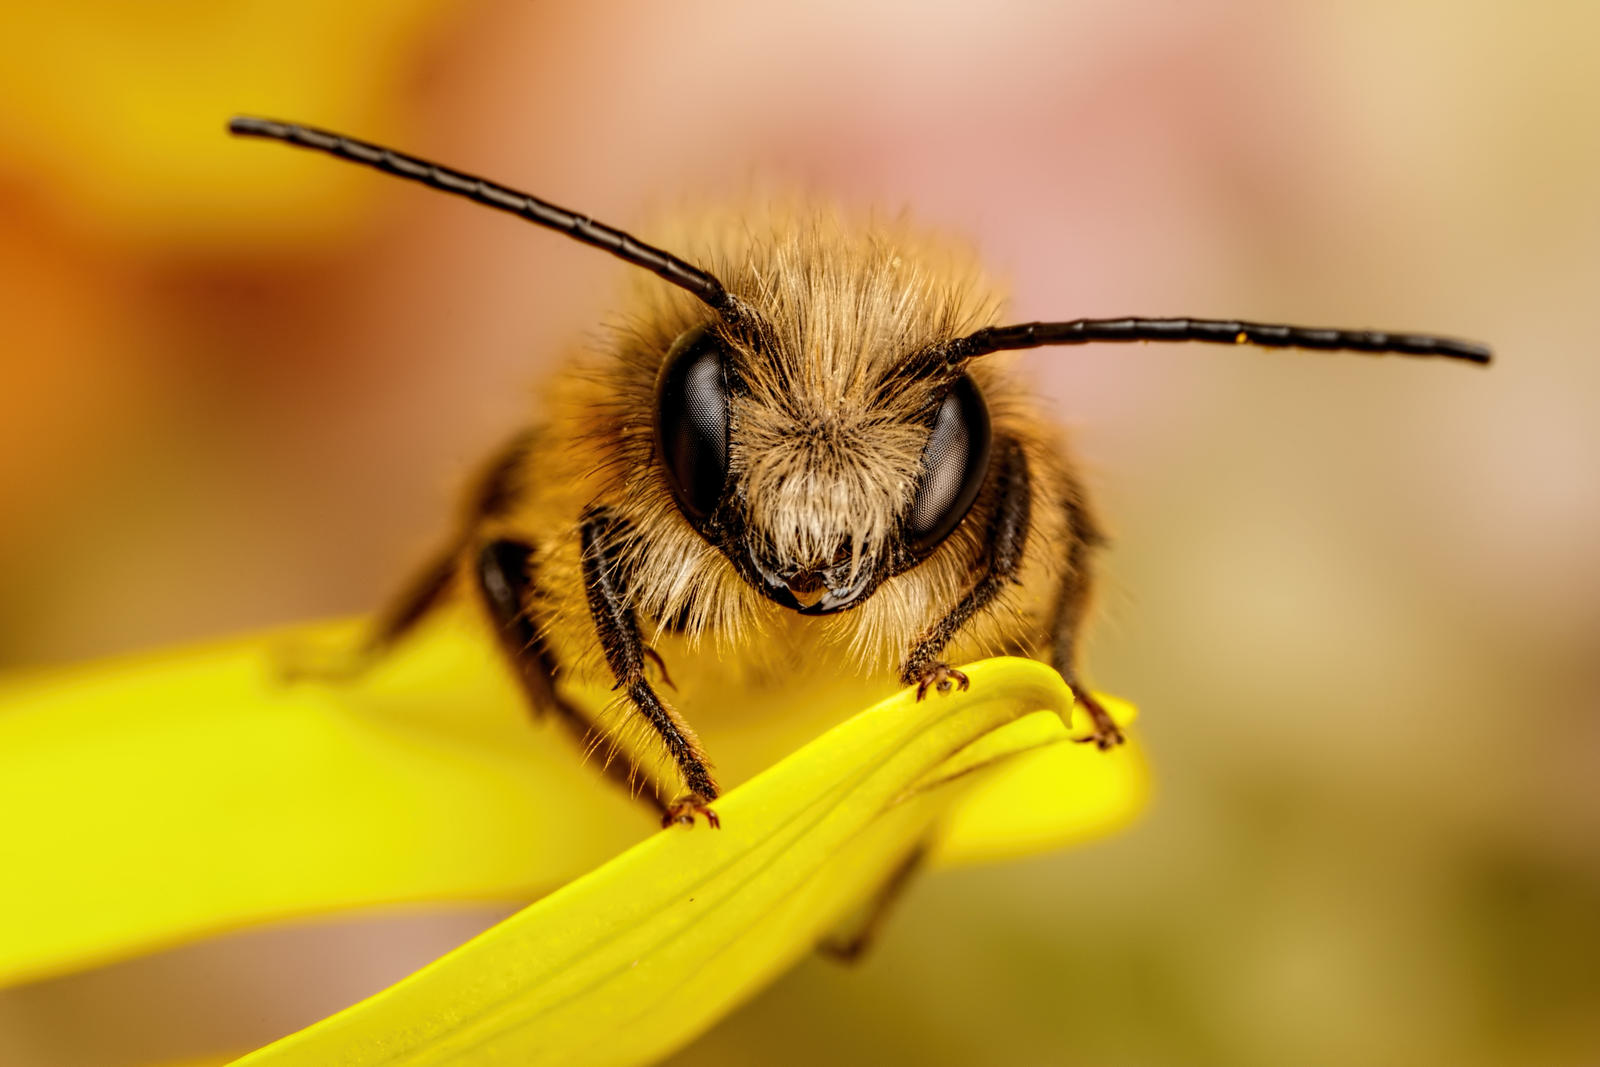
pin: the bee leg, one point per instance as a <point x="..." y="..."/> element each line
<point x="497" y="488"/>
<point x="1006" y="538"/>
<point x="850" y="948"/>
<point x="1083" y="537"/>
<point x="505" y="579"/>
<point x="625" y="652"/>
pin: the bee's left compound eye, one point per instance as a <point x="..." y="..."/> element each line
<point x="954" y="462"/>
<point x="692" y="421"/>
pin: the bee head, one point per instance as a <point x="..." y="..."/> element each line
<point x="816" y="484"/>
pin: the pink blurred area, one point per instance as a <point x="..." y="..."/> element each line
<point x="1358" y="600"/>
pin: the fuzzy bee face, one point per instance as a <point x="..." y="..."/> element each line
<point x="804" y="445"/>
<point x="823" y="494"/>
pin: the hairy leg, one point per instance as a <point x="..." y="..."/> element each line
<point x="618" y="630"/>
<point x="506" y="579"/>
<point x="1072" y="602"/>
<point x="1006" y="538"/>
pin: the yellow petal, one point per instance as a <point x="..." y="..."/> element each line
<point x="163" y="798"/>
<point x="1042" y="800"/>
<point x="632" y="960"/>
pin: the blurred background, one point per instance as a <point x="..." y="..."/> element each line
<point x="1358" y="601"/>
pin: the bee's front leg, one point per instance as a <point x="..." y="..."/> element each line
<point x="625" y="652"/>
<point x="1006" y="539"/>
<point x="506" y="576"/>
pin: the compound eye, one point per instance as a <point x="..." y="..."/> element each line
<point x="692" y="421"/>
<point x="954" y="462"/>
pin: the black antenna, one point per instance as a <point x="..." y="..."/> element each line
<point x="679" y="272"/>
<point x="1212" y="331"/>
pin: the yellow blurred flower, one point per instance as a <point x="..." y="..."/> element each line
<point x="116" y="109"/>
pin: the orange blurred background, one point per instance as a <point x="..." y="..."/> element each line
<point x="1358" y="601"/>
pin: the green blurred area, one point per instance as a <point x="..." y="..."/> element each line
<point x="1358" y="602"/>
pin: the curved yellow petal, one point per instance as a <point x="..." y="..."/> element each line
<point x="166" y="797"/>
<point x="1043" y="800"/>
<point x="161" y="798"/>
<point x="635" y="958"/>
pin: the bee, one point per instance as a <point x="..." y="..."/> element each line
<point x="799" y="451"/>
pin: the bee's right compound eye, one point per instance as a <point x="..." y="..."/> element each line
<point x="692" y="421"/>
